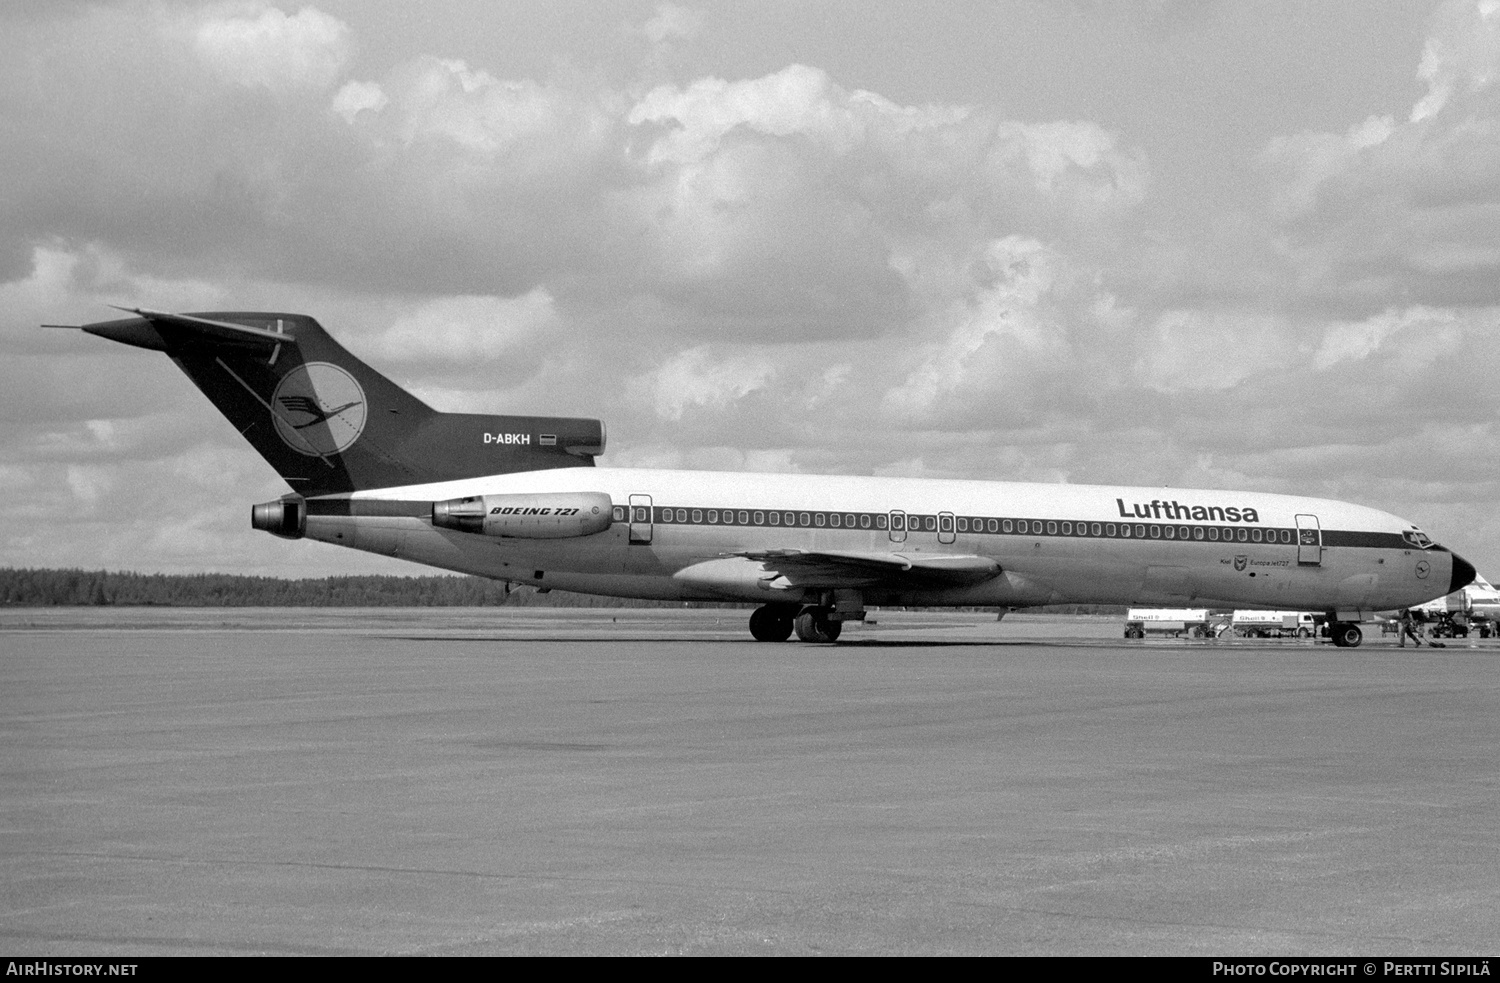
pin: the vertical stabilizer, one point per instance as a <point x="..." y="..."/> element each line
<point x="329" y="423"/>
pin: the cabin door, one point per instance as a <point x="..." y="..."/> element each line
<point x="1309" y="541"/>
<point x="640" y="518"/>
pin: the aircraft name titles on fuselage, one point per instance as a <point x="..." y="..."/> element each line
<point x="1174" y="511"/>
<point x="517" y="510"/>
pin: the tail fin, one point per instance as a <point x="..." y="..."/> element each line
<point x="329" y="423"/>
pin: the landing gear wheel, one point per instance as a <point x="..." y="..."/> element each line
<point x="813" y="625"/>
<point x="1346" y="635"/>
<point x="771" y="623"/>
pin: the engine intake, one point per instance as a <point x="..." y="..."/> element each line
<point x="559" y="515"/>
<point x="285" y="517"/>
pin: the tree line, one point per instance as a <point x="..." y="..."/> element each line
<point x="24" y="587"/>
<point x="35" y="587"/>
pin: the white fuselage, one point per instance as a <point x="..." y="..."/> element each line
<point x="679" y="535"/>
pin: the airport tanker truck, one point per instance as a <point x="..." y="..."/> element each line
<point x="1274" y="624"/>
<point x="1175" y="622"/>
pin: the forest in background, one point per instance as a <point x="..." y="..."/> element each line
<point x="29" y="587"/>
<point x="52" y="588"/>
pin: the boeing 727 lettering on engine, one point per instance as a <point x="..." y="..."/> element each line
<point x="519" y="499"/>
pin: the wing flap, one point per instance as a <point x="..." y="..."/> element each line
<point x="850" y="568"/>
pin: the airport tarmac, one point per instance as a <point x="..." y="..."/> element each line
<point x="518" y="781"/>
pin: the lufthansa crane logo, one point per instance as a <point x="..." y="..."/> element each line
<point x="319" y="409"/>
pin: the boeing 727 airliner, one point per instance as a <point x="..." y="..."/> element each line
<point x="518" y="498"/>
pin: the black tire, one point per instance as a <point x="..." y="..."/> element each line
<point x="813" y="625"/>
<point x="1135" y="633"/>
<point x="1348" y="636"/>
<point x="771" y="623"/>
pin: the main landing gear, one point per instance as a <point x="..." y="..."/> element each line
<point x="775" y="623"/>
<point x="772" y="622"/>
<point x="1345" y="634"/>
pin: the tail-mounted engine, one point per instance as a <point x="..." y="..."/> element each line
<point x="560" y="515"/>
<point x="285" y="517"/>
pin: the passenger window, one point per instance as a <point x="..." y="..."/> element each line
<point x="1007" y="525"/>
<point x="697" y="515"/>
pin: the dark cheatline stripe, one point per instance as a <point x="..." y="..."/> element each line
<point x="1370" y="540"/>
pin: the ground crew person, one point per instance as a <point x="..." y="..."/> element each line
<point x="1408" y="627"/>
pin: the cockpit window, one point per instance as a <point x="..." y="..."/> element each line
<point x="1417" y="538"/>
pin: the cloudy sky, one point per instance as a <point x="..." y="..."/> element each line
<point x="1245" y="244"/>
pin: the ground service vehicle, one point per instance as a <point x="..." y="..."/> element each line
<point x="1274" y="624"/>
<point x="1175" y="622"/>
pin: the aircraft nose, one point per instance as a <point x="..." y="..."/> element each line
<point x="1463" y="574"/>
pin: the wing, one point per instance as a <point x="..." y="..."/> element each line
<point x="830" y="569"/>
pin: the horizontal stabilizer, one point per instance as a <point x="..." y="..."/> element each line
<point x="221" y="330"/>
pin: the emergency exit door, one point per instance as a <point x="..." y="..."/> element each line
<point x="640" y="518"/>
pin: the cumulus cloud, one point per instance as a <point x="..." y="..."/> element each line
<point x="356" y="97"/>
<point x="1461" y="55"/>
<point x="1008" y="314"/>
<point x="471" y="329"/>
<point x="1390" y="212"/>
<point x="696" y="377"/>
<point x="260" y="46"/>
<point x="1348" y="342"/>
<point x="672" y="22"/>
